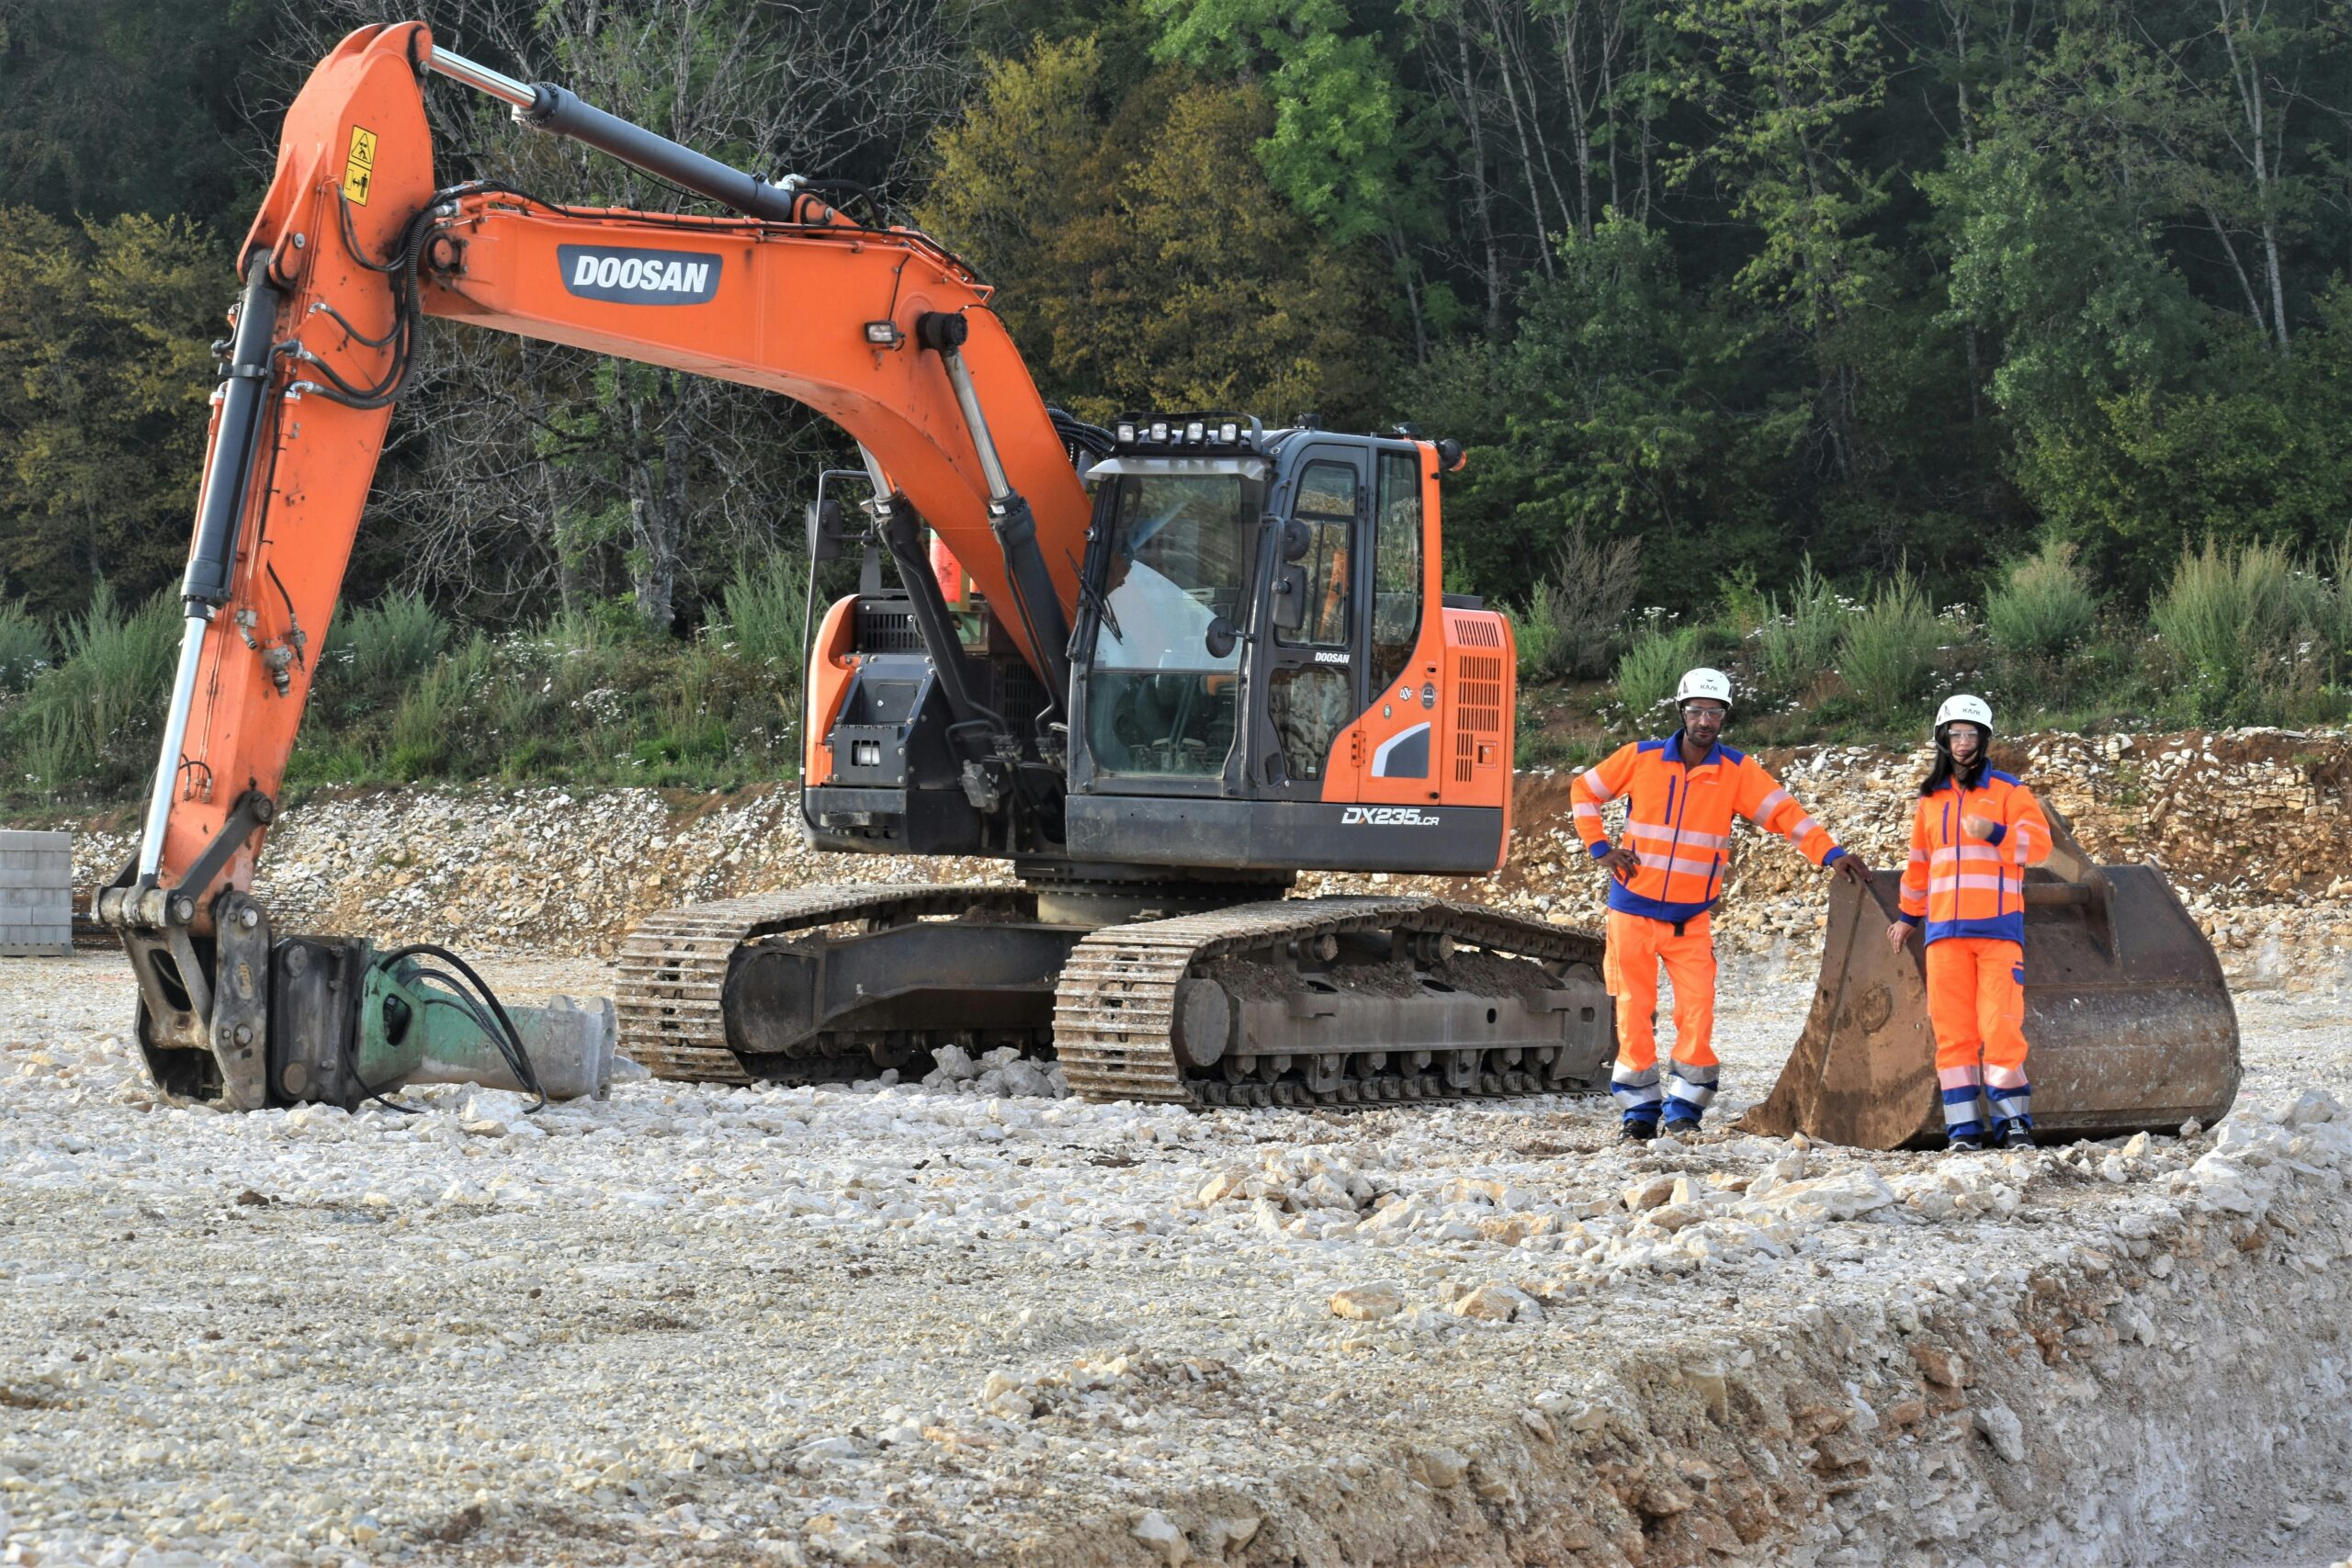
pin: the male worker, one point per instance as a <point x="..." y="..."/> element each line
<point x="1668" y="873"/>
<point x="1972" y="834"/>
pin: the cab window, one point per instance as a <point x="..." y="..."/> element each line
<point x="1327" y="505"/>
<point x="1397" y="567"/>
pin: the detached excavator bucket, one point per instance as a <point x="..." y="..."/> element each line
<point x="2128" y="1022"/>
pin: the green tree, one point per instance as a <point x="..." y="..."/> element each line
<point x="104" y="335"/>
<point x="1614" y="411"/>
<point x="1194" y="286"/>
<point x="1779" y="84"/>
<point x="1006" y="182"/>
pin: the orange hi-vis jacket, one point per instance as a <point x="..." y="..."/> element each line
<point x="1679" y="823"/>
<point x="1970" y="887"/>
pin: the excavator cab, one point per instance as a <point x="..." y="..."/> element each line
<point x="1265" y="638"/>
<point x="1266" y="675"/>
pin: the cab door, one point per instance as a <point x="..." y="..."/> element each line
<point x="1315" y="647"/>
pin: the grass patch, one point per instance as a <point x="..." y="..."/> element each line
<point x="24" y="648"/>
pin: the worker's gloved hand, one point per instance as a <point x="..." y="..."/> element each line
<point x="1979" y="828"/>
<point x="1853" y="868"/>
<point x="1619" y="861"/>
<point x="1897" y="934"/>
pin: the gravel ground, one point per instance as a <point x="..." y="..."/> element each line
<point x="912" y="1326"/>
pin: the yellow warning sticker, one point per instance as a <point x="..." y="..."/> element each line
<point x="360" y="168"/>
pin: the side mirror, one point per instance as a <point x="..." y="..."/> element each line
<point x="1297" y="539"/>
<point x="1290" y="598"/>
<point x="1221" y="638"/>
<point x="827" y="531"/>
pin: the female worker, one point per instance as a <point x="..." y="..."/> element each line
<point x="1975" y="832"/>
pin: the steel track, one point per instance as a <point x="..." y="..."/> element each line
<point x="671" y="992"/>
<point x="1115" y="1010"/>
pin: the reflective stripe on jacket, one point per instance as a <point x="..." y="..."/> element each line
<point x="1969" y="887"/>
<point x="1679" y="821"/>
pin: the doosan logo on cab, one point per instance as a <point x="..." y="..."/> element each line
<point x="642" y="278"/>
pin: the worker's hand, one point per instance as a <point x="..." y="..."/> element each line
<point x="1619" y="861"/>
<point x="1981" y="828"/>
<point x="1852" y="867"/>
<point x="1897" y="934"/>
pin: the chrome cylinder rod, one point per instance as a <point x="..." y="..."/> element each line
<point x="968" y="399"/>
<point x="482" y="79"/>
<point x="167" y="767"/>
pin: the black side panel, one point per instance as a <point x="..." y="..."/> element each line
<point x="1284" y="834"/>
<point x="893" y="821"/>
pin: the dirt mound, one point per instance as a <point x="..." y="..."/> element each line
<point x="2254" y="826"/>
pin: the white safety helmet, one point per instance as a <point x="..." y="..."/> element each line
<point x="1703" y="682"/>
<point x="1964" y="709"/>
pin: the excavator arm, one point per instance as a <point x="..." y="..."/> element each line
<point x="879" y="330"/>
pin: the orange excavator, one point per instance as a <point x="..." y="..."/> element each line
<point x="1208" y="655"/>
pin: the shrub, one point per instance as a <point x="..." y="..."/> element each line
<point x="1793" y="649"/>
<point x="1889" y="650"/>
<point x="1650" y="669"/>
<point x="433" y="730"/>
<point x="1537" y="631"/>
<point x="2043" y="611"/>
<point x="767" y="610"/>
<point x="24" y="648"/>
<point x="2335" y="625"/>
<point x="1573" y="621"/>
<point x="2239" y="621"/>
<point x="92" y="716"/>
<point x="393" y="641"/>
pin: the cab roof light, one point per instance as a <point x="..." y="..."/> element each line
<point x="1210" y="429"/>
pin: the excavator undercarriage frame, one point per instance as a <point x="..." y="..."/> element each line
<point x="1324" y="1002"/>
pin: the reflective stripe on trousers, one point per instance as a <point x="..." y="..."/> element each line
<point x="1637" y="945"/>
<point x="1976" y="1002"/>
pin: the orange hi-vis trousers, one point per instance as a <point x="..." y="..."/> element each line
<point x="1637" y="945"/>
<point x="1976" y="1001"/>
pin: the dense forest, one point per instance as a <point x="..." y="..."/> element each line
<point x="1734" y="302"/>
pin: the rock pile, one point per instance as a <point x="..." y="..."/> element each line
<point x="2254" y="828"/>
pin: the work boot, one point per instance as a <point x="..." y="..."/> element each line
<point x="2017" y="1132"/>
<point x="1637" y="1130"/>
<point x="1968" y="1143"/>
<point x="1682" y="1127"/>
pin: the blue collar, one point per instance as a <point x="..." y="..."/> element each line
<point x="1673" y="744"/>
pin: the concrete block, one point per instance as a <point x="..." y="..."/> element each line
<point x="36" y="892"/>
